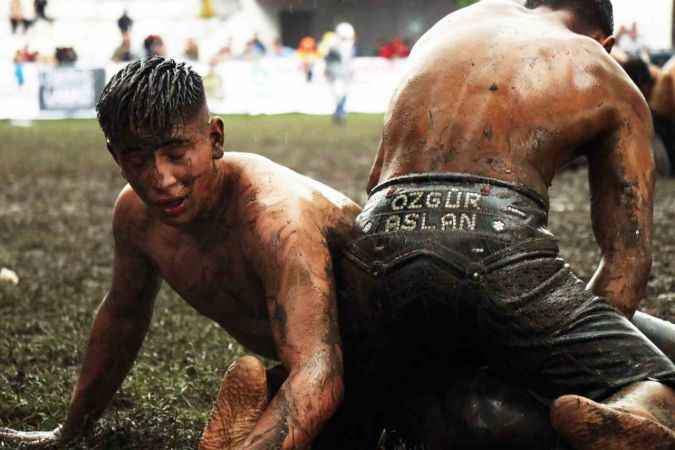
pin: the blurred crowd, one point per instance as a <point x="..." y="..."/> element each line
<point x="23" y="14"/>
<point x="654" y="74"/>
<point x="331" y="55"/>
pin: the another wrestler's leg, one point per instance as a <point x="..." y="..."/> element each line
<point x="242" y="398"/>
<point x="639" y="417"/>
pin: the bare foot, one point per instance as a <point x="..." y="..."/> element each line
<point x="588" y="425"/>
<point x="241" y="401"/>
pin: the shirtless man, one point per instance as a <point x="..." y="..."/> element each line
<point x="179" y="241"/>
<point x="243" y="240"/>
<point x="662" y="103"/>
<point x="499" y="97"/>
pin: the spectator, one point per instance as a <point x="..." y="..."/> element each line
<point x="25" y="55"/>
<point x="223" y="54"/>
<point x="123" y="53"/>
<point x="191" y="51"/>
<point x="280" y="50"/>
<point x="154" y="46"/>
<point x="385" y="51"/>
<point x="630" y="41"/>
<point x="65" y="56"/>
<point x="308" y="54"/>
<point x="339" y="68"/>
<point x="21" y="57"/>
<point x="327" y="42"/>
<point x="17" y="17"/>
<point x="254" y="48"/>
<point x="395" y="48"/>
<point x="125" y="22"/>
<point x="400" y="48"/>
<point x="18" y="69"/>
<point x="40" y="7"/>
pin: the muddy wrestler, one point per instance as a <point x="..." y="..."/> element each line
<point x="241" y="239"/>
<point x="497" y="99"/>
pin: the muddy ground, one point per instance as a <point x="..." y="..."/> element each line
<point x="57" y="189"/>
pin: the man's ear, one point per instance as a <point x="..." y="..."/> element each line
<point x="608" y="43"/>
<point x="217" y="137"/>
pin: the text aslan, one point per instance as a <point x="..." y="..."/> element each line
<point x="451" y="221"/>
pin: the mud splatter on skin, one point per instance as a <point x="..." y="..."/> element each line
<point x="487" y="133"/>
<point x="280" y="323"/>
<point x="274" y="437"/>
<point x="630" y="230"/>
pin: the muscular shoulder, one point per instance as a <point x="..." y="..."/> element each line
<point x="662" y="100"/>
<point x="601" y="84"/>
<point x="273" y="188"/>
<point x="130" y="217"/>
<point x="281" y="209"/>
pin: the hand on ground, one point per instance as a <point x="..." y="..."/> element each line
<point x="35" y="439"/>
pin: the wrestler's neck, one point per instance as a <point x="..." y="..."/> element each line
<point x="569" y="20"/>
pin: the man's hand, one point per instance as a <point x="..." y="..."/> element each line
<point x="56" y="438"/>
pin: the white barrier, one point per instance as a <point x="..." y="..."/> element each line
<point x="265" y="86"/>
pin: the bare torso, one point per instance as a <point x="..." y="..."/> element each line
<point x="496" y="90"/>
<point x="219" y="273"/>
<point x="662" y="100"/>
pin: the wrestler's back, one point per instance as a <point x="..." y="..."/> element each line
<point x="497" y="90"/>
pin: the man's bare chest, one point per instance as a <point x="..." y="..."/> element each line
<point x="216" y="280"/>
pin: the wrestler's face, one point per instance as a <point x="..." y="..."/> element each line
<point x="175" y="174"/>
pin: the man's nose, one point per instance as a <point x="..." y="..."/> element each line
<point x="163" y="175"/>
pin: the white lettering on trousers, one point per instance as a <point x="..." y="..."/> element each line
<point x="453" y="199"/>
<point x="422" y="222"/>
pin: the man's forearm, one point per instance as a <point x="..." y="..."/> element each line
<point x="112" y="348"/>
<point x="622" y="281"/>
<point x="297" y="413"/>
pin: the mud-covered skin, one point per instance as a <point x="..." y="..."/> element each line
<point x="260" y="267"/>
<point x="662" y="104"/>
<point x="502" y="91"/>
<point x="662" y="98"/>
<point x="245" y="242"/>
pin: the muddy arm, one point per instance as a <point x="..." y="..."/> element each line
<point x="621" y="175"/>
<point x="303" y="314"/>
<point x="119" y="328"/>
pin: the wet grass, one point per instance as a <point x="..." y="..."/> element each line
<point x="58" y="187"/>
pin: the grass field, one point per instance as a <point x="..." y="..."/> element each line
<point x="58" y="187"/>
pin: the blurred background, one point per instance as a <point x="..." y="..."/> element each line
<point x="257" y="56"/>
<point x="302" y="82"/>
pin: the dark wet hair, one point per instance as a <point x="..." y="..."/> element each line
<point x="595" y="13"/>
<point x="638" y="71"/>
<point x="149" y="99"/>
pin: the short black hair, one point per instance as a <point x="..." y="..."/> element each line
<point x="638" y="71"/>
<point x="596" y="13"/>
<point x="149" y="98"/>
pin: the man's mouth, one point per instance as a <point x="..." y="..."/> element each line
<point x="173" y="206"/>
